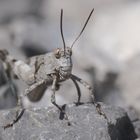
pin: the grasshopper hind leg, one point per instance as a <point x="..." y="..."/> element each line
<point x="19" y="112"/>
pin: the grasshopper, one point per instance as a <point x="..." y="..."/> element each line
<point x="48" y="70"/>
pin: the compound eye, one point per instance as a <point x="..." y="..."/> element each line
<point x="57" y="53"/>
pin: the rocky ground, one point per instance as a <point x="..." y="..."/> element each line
<point x="106" y="55"/>
<point x="85" y="123"/>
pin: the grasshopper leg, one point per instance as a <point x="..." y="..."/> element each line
<point x="53" y="100"/>
<point x="19" y="112"/>
<point x="32" y="87"/>
<point x="97" y="105"/>
<point x="85" y="84"/>
<point x="78" y="90"/>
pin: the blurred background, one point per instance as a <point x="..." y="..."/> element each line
<point x="107" y="55"/>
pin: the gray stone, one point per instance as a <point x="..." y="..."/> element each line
<point x="86" y="123"/>
<point x="135" y="119"/>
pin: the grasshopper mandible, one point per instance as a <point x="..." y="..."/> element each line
<point x="48" y="70"/>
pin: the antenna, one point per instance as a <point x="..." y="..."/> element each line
<point x="61" y="29"/>
<point x="82" y="28"/>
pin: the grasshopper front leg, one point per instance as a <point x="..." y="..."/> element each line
<point x="53" y="99"/>
<point x="85" y="84"/>
<point x="97" y="105"/>
<point x="78" y="90"/>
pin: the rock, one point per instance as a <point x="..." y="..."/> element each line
<point x="86" y="123"/>
<point x="135" y="119"/>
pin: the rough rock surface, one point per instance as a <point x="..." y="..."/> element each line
<point x="86" y="124"/>
<point x="134" y="117"/>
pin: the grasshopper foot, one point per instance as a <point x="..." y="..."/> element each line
<point x="99" y="110"/>
<point x="8" y="126"/>
<point x="18" y="117"/>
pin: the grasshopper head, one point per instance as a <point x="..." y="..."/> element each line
<point x="60" y="52"/>
<point x="64" y="61"/>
